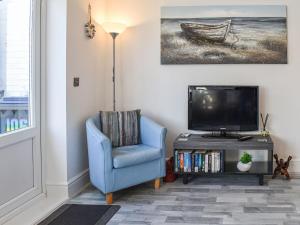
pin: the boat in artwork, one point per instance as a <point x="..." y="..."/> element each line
<point x="207" y="32"/>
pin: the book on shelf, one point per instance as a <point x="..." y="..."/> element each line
<point x="203" y="162"/>
<point x="222" y="160"/>
<point x="176" y="162"/>
<point x="187" y="159"/>
<point x="198" y="161"/>
<point x="181" y="162"/>
<point x="185" y="162"/>
<point x="206" y="163"/>
<point x="190" y="162"/>
<point x="193" y="162"/>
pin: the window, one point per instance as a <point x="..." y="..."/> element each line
<point x="15" y="71"/>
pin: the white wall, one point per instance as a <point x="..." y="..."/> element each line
<point x="69" y="54"/>
<point x="55" y="127"/>
<point x="161" y="91"/>
<point x="86" y="60"/>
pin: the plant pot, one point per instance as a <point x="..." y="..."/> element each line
<point x="244" y="167"/>
<point x="170" y="175"/>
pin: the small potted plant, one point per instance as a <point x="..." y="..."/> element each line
<point x="245" y="162"/>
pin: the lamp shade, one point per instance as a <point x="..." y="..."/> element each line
<point x="112" y="27"/>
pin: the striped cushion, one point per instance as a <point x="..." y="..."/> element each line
<point x="122" y="128"/>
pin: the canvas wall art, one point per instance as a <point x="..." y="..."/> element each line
<point x="224" y="34"/>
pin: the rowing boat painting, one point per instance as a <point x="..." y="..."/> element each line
<point x="224" y="34"/>
<point x="207" y="32"/>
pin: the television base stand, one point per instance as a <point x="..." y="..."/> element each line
<point x="231" y="149"/>
<point x="221" y="135"/>
<point x="260" y="179"/>
<point x="185" y="179"/>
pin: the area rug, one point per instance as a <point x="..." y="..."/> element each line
<point x="71" y="214"/>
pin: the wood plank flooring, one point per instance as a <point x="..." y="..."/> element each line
<point x="230" y="200"/>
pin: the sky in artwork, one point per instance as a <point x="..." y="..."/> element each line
<point x="224" y="11"/>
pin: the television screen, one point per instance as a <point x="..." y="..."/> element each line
<point x="223" y="108"/>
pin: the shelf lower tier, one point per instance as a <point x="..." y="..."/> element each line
<point x="258" y="168"/>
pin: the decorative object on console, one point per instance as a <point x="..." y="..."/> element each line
<point x="245" y="163"/>
<point x="114" y="29"/>
<point x="264" y="121"/>
<point x="90" y="28"/>
<point x="170" y="175"/>
<point x="282" y="167"/>
<point x="232" y="34"/>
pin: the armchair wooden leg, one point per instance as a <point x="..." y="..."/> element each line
<point x="157" y="183"/>
<point x="109" y="198"/>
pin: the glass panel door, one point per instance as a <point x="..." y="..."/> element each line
<point x="20" y="151"/>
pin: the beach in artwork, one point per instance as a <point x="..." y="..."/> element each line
<point x="250" y="40"/>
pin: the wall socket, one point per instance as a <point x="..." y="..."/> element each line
<point x="76" y="82"/>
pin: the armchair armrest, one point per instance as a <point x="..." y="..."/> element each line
<point x="100" y="155"/>
<point x="152" y="134"/>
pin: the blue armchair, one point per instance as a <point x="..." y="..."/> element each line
<point x="113" y="169"/>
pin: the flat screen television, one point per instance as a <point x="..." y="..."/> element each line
<point x="223" y="108"/>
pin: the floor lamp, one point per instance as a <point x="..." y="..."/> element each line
<point x="114" y="29"/>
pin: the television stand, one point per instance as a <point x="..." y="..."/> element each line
<point x="221" y="135"/>
<point x="197" y="143"/>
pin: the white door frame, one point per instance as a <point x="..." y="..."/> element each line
<point x="43" y="63"/>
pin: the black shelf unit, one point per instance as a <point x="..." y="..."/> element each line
<point x="257" y="143"/>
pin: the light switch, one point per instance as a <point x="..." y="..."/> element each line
<point x="76" y="82"/>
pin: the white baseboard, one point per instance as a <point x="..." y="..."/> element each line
<point x="37" y="210"/>
<point x="78" y="183"/>
<point x="55" y="195"/>
<point x="294" y="166"/>
<point x="20" y="209"/>
<point x="42" y="206"/>
<point x="57" y="190"/>
<point x="295" y="175"/>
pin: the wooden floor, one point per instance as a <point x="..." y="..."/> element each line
<point x="232" y="200"/>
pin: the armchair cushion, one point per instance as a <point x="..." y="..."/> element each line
<point x="134" y="155"/>
<point x="122" y="128"/>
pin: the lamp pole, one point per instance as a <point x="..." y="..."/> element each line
<point x="114" y="36"/>
<point x="114" y="29"/>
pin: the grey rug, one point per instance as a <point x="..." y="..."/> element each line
<point x="71" y="214"/>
